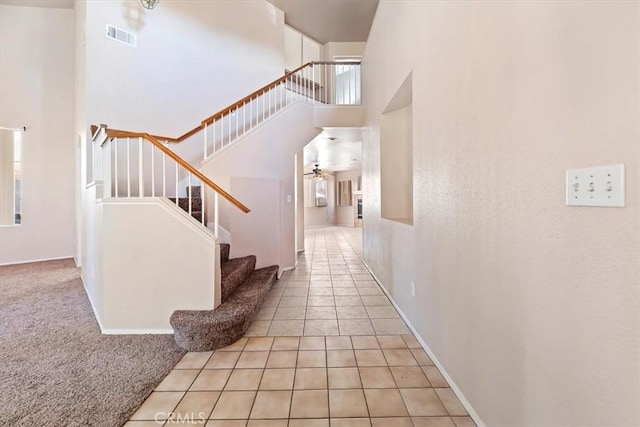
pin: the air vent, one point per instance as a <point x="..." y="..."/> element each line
<point x="121" y="36"/>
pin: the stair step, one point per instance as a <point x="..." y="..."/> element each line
<point x="212" y="329"/>
<point x="224" y="252"/>
<point x="234" y="272"/>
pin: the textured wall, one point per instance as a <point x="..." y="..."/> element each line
<point x="36" y="90"/>
<point x="192" y="59"/>
<point x="532" y="307"/>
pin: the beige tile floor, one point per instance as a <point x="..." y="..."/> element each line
<point x="327" y="349"/>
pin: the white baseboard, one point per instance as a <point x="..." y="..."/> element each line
<point x="121" y="331"/>
<point x="137" y="331"/>
<point x="472" y="413"/>
<point x="38" y="260"/>
<point x="93" y="307"/>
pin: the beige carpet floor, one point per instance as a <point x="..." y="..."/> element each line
<point x="56" y="368"/>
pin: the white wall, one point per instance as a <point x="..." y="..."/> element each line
<point x="323" y="215"/>
<point x="192" y="59"/>
<point x="36" y="90"/>
<point x="300" y="200"/>
<point x="531" y="306"/>
<point x="266" y="154"/>
<point x="299" y="48"/>
<point x="142" y="281"/>
<point x="81" y="128"/>
<point x="345" y="215"/>
<point x="332" y="49"/>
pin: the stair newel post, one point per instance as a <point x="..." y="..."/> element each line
<point x="115" y="167"/>
<point x="106" y="169"/>
<point x="140" y="168"/>
<point x="128" y="167"/>
<point x="205" y="141"/>
<point x="215" y="214"/>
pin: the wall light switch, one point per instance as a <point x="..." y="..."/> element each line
<point x="597" y="186"/>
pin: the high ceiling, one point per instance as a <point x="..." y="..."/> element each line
<point x="330" y="20"/>
<point x="322" y="20"/>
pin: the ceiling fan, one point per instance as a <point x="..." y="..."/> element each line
<point x="317" y="174"/>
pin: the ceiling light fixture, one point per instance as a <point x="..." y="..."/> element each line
<point x="317" y="174"/>
<point x="149" y="4"/>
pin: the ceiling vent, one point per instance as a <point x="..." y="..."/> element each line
<point x="121" y="36"/>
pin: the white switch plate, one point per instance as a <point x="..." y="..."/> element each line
<point x="597" y="186"/>
<point x="413" y="288"/>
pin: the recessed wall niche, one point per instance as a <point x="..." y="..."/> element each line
<point x="396" y="155"/>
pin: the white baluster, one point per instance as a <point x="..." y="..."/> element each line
<point x="177" y="194"/>
<point x="153" y="171"/>
<point x="326" y="83"/>
<point x="128" y="167"/>
<point x="115" y="166"/>
<point x="215" y="214"/>
<point x="214" y="136"/>
<point x="189" y="190"/>
<point x="140" y="169"/>
<point x="164" y="174"/>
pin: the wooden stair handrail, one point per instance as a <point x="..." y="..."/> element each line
<point x="252" y="95"/>
<point x="235" y="105"/>
<point x="114" y="133"/>
<point x="155" y="139"/>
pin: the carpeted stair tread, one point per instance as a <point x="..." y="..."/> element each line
<point x="212" y="329"/>
<point x="234" y="272"/>
<point x="196" y="202"/>
<point x="224" y="252"/>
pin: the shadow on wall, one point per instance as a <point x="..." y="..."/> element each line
<point x="134" y="15"/>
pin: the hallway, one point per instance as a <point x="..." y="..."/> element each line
<point x="327" y="348"/>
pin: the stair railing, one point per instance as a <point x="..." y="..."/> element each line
<point x="324" y="83"/>
<point x="328" y="83"/>
<point x="135" y="164"/>
<point x="126" y="173"/>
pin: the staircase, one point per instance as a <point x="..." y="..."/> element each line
<point x="192" y="204"/>
<point x="243" y="292"/>
<point x="142" y="179"/>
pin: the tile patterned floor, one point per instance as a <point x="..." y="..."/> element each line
<point x="327" y="349"/>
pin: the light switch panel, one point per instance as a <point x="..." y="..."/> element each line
<point x="597" y="186"/>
